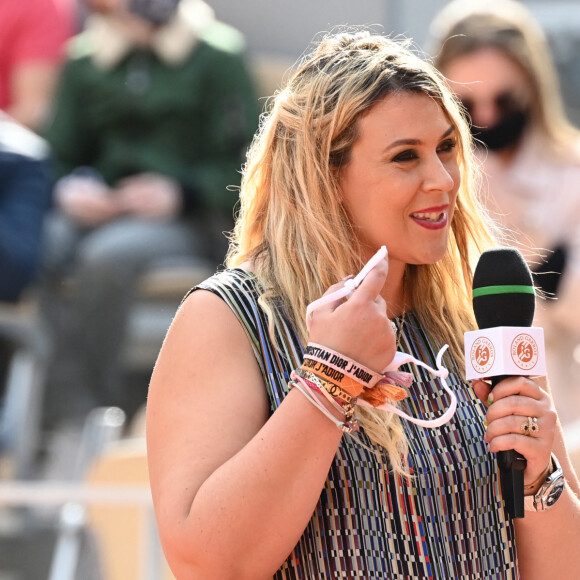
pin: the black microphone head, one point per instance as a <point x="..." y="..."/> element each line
<point x="503" y="289"/>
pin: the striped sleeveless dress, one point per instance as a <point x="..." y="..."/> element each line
<point x="447" y="522"/>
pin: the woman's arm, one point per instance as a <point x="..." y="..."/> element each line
<point x="547" y="541"/>
<point x="233" y="489"/>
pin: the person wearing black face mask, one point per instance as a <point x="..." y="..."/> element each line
<point x="497" y="60"/>
<point x="512" y="118"/>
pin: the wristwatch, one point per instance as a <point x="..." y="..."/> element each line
<point x="549" y="492"/>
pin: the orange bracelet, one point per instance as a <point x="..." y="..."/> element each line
<point x="334" y="390"/>
<point x="327" y="373"/>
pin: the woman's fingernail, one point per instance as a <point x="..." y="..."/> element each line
<point x="490" y="398"/>
<point x="347" y="278"/>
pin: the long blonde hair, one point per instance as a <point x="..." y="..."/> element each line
<point x="292" y="225"/>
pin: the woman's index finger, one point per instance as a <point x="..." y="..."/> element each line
<point x="372" y="284"/>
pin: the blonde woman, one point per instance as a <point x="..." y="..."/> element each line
<point x="364" y="147"/>
<point x="498" y="61"/>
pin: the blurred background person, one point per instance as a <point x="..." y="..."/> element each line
<point x="24" y="201"/>
<point x="497" y="59"/>
<point x="152" y="117"/>
<point x="32" y="47"/>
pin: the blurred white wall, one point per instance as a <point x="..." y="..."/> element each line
<point x="285" y="29"/>
<point x="278" y="32"/>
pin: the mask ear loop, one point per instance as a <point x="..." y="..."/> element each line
<point x="400" y="357"/>
<point x="349" y="286"/>
<point x="403" y="358"/>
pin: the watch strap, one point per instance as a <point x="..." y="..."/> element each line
<point x="550" y="490"/>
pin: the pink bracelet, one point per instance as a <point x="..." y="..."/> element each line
<point x="341" y="401"/>
<point x="346" y="426"/>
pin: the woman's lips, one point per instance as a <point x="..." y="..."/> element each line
<point x="432" y="218"/>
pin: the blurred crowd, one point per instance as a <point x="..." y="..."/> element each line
<point x="123" y="126"/>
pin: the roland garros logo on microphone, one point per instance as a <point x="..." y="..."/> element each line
<point x="482" y="355"/>
<point x="524" y="352"/>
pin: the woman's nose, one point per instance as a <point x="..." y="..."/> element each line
<point x="484" y="113"/>
<point x="438" y="176"/>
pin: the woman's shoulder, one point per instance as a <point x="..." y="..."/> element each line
<point x="238" y="288"/>
<point x="230" y="280"/>
<point x="220" y="299"/>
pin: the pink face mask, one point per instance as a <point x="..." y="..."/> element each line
<point x="400" y="358"/>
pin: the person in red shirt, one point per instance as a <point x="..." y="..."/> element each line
<point x="32" y="39"/>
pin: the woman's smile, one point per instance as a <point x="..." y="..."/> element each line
<point x="432" y="218"/>
<point x="401" y="181"/>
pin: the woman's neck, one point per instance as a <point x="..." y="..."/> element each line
<point x="394" y="291"/>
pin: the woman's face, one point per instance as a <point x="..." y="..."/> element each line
<point x="490" y="84"/>
<point x="401" y="182"/>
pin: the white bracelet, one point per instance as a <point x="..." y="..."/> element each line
<point x="344" y="426"/>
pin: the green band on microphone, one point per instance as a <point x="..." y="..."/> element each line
<point x="504" y="289"/>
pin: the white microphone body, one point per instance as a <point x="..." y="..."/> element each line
<point x="505" y="351"/>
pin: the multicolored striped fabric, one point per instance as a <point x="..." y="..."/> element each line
<point x="447" y="522"/>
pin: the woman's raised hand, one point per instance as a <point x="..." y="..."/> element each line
<point x="357" y="327"/>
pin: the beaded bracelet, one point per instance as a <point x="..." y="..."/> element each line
<point x="353" y="387"/>
<point x="336" y="391"/>
<point x="345" y="405"/>
<point x="298" y="377"/>
<point x="345" y="427"/>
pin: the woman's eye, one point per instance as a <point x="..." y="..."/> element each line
<point x="408" y="155"/>
<point x="447" y="146"/>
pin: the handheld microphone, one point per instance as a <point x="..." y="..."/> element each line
<point x="503" y="295"/>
